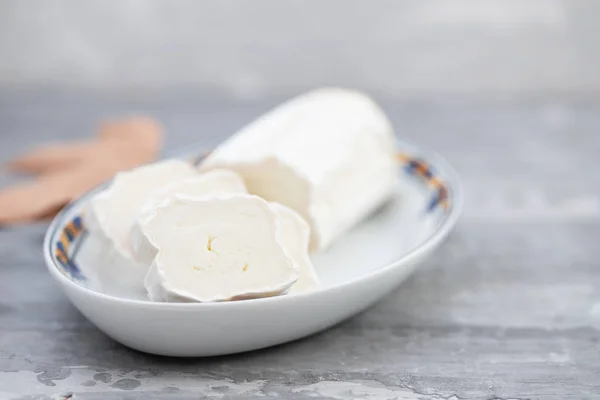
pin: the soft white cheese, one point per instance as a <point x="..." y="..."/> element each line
<point x="294" y="235"/>
<point x="110" y="215"/>
<point x="328" y="154"/>
<point x="216" y="249"/>
<point x="214" y="182"/>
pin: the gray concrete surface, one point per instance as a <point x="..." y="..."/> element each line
<point x="249" y="49"/>
<point x="509" y="308"/>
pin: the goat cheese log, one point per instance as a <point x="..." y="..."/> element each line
<point x="328" y="154"/>
<point x="216" y="249"/>
<point x="111" y="213"/>
<point x="211" y="183"/>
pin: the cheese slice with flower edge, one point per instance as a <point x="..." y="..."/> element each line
<point x="328" y="154"/>
<point x="216" y="249"/>
<point x="110" y="214"/>
<point x="211" y="183"/>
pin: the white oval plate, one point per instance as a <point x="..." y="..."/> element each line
<point x="359" y="269"/>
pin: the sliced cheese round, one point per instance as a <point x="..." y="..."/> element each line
<point x="212" y="183"/>
<point x="328" y="154"/>
<point x="110" y="215"/>
<point x="216" y="249"/>
<point x="294" y="235"/>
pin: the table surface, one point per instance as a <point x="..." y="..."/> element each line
<point x="508" y="308"/>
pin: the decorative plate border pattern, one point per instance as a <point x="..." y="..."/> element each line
<point x="66" y="248"/>
<point x="420" y="169"/>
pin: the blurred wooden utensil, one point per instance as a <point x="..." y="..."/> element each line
<point x="67" y="170"/>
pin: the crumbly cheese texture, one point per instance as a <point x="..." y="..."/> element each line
<point x="110" y="215"/>
<point x="216" y="249"/>
<point x="212" y="183"/>
<point x="328" y="154"/>
<point x="293" y="233"/>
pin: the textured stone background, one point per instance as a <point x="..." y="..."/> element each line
<point x="506" y="91"/>
<point x="251" y="49"/>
